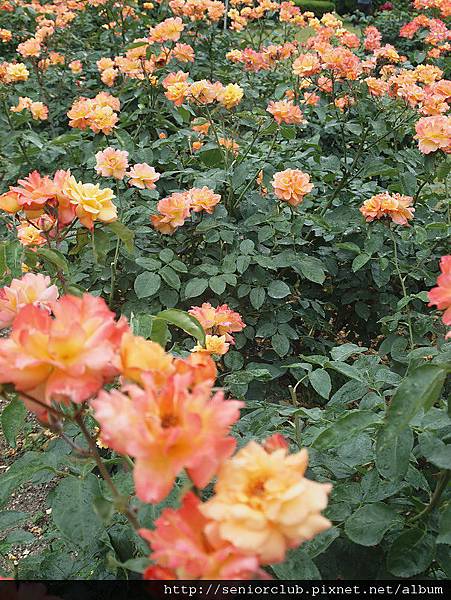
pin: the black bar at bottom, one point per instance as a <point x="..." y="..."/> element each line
<point x="208" y="590"/>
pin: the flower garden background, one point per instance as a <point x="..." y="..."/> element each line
<point x="226" y="290"/>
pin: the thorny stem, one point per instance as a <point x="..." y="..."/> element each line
<point x="11" y="126"/>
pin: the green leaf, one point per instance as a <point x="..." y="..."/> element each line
<point x="13" y="419"/>
<point x="444" y="526"/>
<point x="343" y="352"/>
<point x="195" y="287"/>
<point x="359" y="261"/>
<point x="147" y="284"/>
<point x="212" y="158"/>
<point x="159" y="332"/>
<point x="73" y="510"/>
<point x="435" y="450"/>
<point x="11" y="518"/>
<point x="184" y="321"/>
<point x="54" y="257"/>
<point x="344" y="428"/>
<point x="125" y="234"/>
<point x="280" y="343"/>
<point x="321" y="383"/>
<point x="278" y="289"/>
<point x="170" y="277"/>
<point x="217" y="284"/>
<point x="419" y="390"/>
<point x="297" y="565"/>
<point x="411" y="553"/>
<point x="368" y="524"/>
<point x="257" y="297"/>
<point x="392" y="458"/>
<point x="312" y="269"/>
<point x="20" y="471"/>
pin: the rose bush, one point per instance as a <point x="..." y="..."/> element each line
<point x="224" y="240"/>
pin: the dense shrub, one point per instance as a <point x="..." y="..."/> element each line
<point x="319" y="7"/>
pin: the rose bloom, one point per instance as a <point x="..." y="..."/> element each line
<point x="168" y="30"/>
<point x="433" y="133"/>
<point x="143" y="176"/>
<point x="264" y="505"/>
<point x="30" y="235"/>
<point x="173" y="78"/>
<point x="182" y="549"/>
<point x="91" y="203"/>
<point x="197" y="145"/>
<point x="34" y="191"/>
<point x="104" y="63"/>
<point x="398" y="208"/>
<point x="102" y="119"/>
<point x="9" y="202"/>
<point x="109" y="76"/>
<point x="203" y="199"/>
<point x="177" y="92"/>
<point x="168" y="428"/>
<point x="214" y="344"/>
<point x="65" y="358"/>
<point x="32" y="288"/>
<point x="112" y="163"/>
<point x="310" y="98"/>
<point x="376" y="87"/>
<point x="230" y="95"/>
<point x="201" y="128"/>
<point x="31" y="47"/>
<point x="174" y="210"/>
<point x="284" y="111"/>
<point x="5" y="35"/>
<point x="78" y="113"/>
<point x="440" y="296"/>
<point x="39" y="111"/>
<point x="107" y="99"/>
<point x="291" y="186"/>
<point x="23" y="103"/>
<point x="203" y="92"/>
<point x="306" y="65"/>
<point x="183" y="53"/>
<point x="218" y="321"/>
<point x="76" y="66"/>
<point x="16" y="72"/>
<point x="138" y="356"/>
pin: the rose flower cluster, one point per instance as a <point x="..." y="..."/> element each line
<point x="45" y="205"/>
<point x="176" y="208"/>
<point x="218" y="323"/>
<point x="65" y="350"/>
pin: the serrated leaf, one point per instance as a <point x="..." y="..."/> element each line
<point x="278" y="289"/>
<point x="125" y="234"/>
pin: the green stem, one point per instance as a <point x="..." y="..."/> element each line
<point x="445" y="476"/>
<point x="403" y="287"/>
